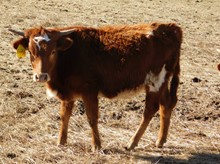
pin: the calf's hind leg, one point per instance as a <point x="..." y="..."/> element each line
<point x="65" y="113"/>
<point x="152" y="106"/>
<point x="166" y="107"/>
<point x="165" y="114"/>
<point x="168" y="102"/>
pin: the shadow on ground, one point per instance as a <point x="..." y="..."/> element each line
<point x="200" y="158"/>
<point x="195" y="158"/>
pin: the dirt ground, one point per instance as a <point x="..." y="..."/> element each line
<point x="29" y="122"/>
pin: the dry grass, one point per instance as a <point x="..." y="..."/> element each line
<point x="29" y="123"/>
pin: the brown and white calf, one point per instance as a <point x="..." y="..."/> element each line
<point x="85" y="62"/>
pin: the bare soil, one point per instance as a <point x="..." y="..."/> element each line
<point x="29" y="122"/>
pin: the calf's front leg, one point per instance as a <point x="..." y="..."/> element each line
<point x="65" y="113"/>
<point x="91" y="106"/>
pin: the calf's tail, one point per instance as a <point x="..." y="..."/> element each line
<point x="176" y="33"/>
<point x="175" y="83"/>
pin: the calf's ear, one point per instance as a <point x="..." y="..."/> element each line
<point x="64" y="43"/>
<point x="20" y="41"/>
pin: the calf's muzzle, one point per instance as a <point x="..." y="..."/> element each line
<point x="41" y="77"/>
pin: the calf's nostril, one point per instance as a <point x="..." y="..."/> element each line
<point x="45" y="77"/>
<point x="36" y="77"/>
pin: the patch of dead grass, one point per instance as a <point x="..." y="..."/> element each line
<point x="29" y="123"/>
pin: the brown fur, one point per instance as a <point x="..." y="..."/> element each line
<point x="110" y="60"/>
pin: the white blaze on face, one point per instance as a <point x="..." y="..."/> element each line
<point x="155" y="81"/>
<point x="38" y="39"/>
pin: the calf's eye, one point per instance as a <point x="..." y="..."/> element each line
<point x="53" y="52"/>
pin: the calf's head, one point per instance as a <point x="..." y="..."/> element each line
<point x="43" y="45"/>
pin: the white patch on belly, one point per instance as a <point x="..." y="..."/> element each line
<point x="51" y="93"/>
<point x="38" y="39"/>
<point x="155" y="81"/>
<point x="128" y="93"/>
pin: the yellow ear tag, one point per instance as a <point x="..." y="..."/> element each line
<point x="21" y="51"/>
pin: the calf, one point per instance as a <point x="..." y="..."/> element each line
<point x="86" y="62"/>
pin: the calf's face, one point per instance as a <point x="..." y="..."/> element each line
<point x="44" y="46"/>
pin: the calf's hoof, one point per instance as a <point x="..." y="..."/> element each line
<point x="159" y="143"/>
<point x="96" y="148"/>
<point x="130" y="146"/>
<point x="61" y="142"/>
